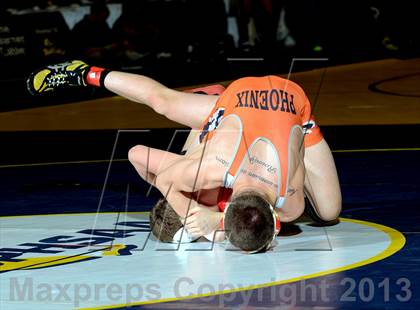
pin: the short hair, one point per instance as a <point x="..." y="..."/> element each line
<point x="164" y="221"/>
<point x="249" y="222"/>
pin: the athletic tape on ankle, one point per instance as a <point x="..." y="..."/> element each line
<point x="96" y="76"/>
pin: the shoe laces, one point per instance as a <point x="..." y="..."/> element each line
<point x="57" y="79"/>
<point x="61" y="76"/>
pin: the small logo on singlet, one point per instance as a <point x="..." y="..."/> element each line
<point x="307" y="126"/>
<point x="213" y="123"/>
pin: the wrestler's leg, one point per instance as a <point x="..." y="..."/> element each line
<point x="186" y="108"/>
<point x="149" y="161"/>
<point x="321" y="182"/>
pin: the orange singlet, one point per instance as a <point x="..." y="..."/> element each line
<point x="269" y="108"/>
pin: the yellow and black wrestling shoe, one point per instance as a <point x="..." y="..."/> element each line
<point x="58" y="76"/>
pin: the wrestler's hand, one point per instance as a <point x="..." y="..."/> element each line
<point x="201" y="221"/>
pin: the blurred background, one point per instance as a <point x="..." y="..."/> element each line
<point x="190" y="42"/>
<point x="184" y="43"/>
<point x="67" y="152"/>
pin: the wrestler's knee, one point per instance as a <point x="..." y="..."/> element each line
<point x="136" y="153"/>
<point x="330" y="211"/>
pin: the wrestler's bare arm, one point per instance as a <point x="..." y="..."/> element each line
<point x="185" y="108"/>
<point x="321" y="181"/>
<point x="186" y="175"/>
